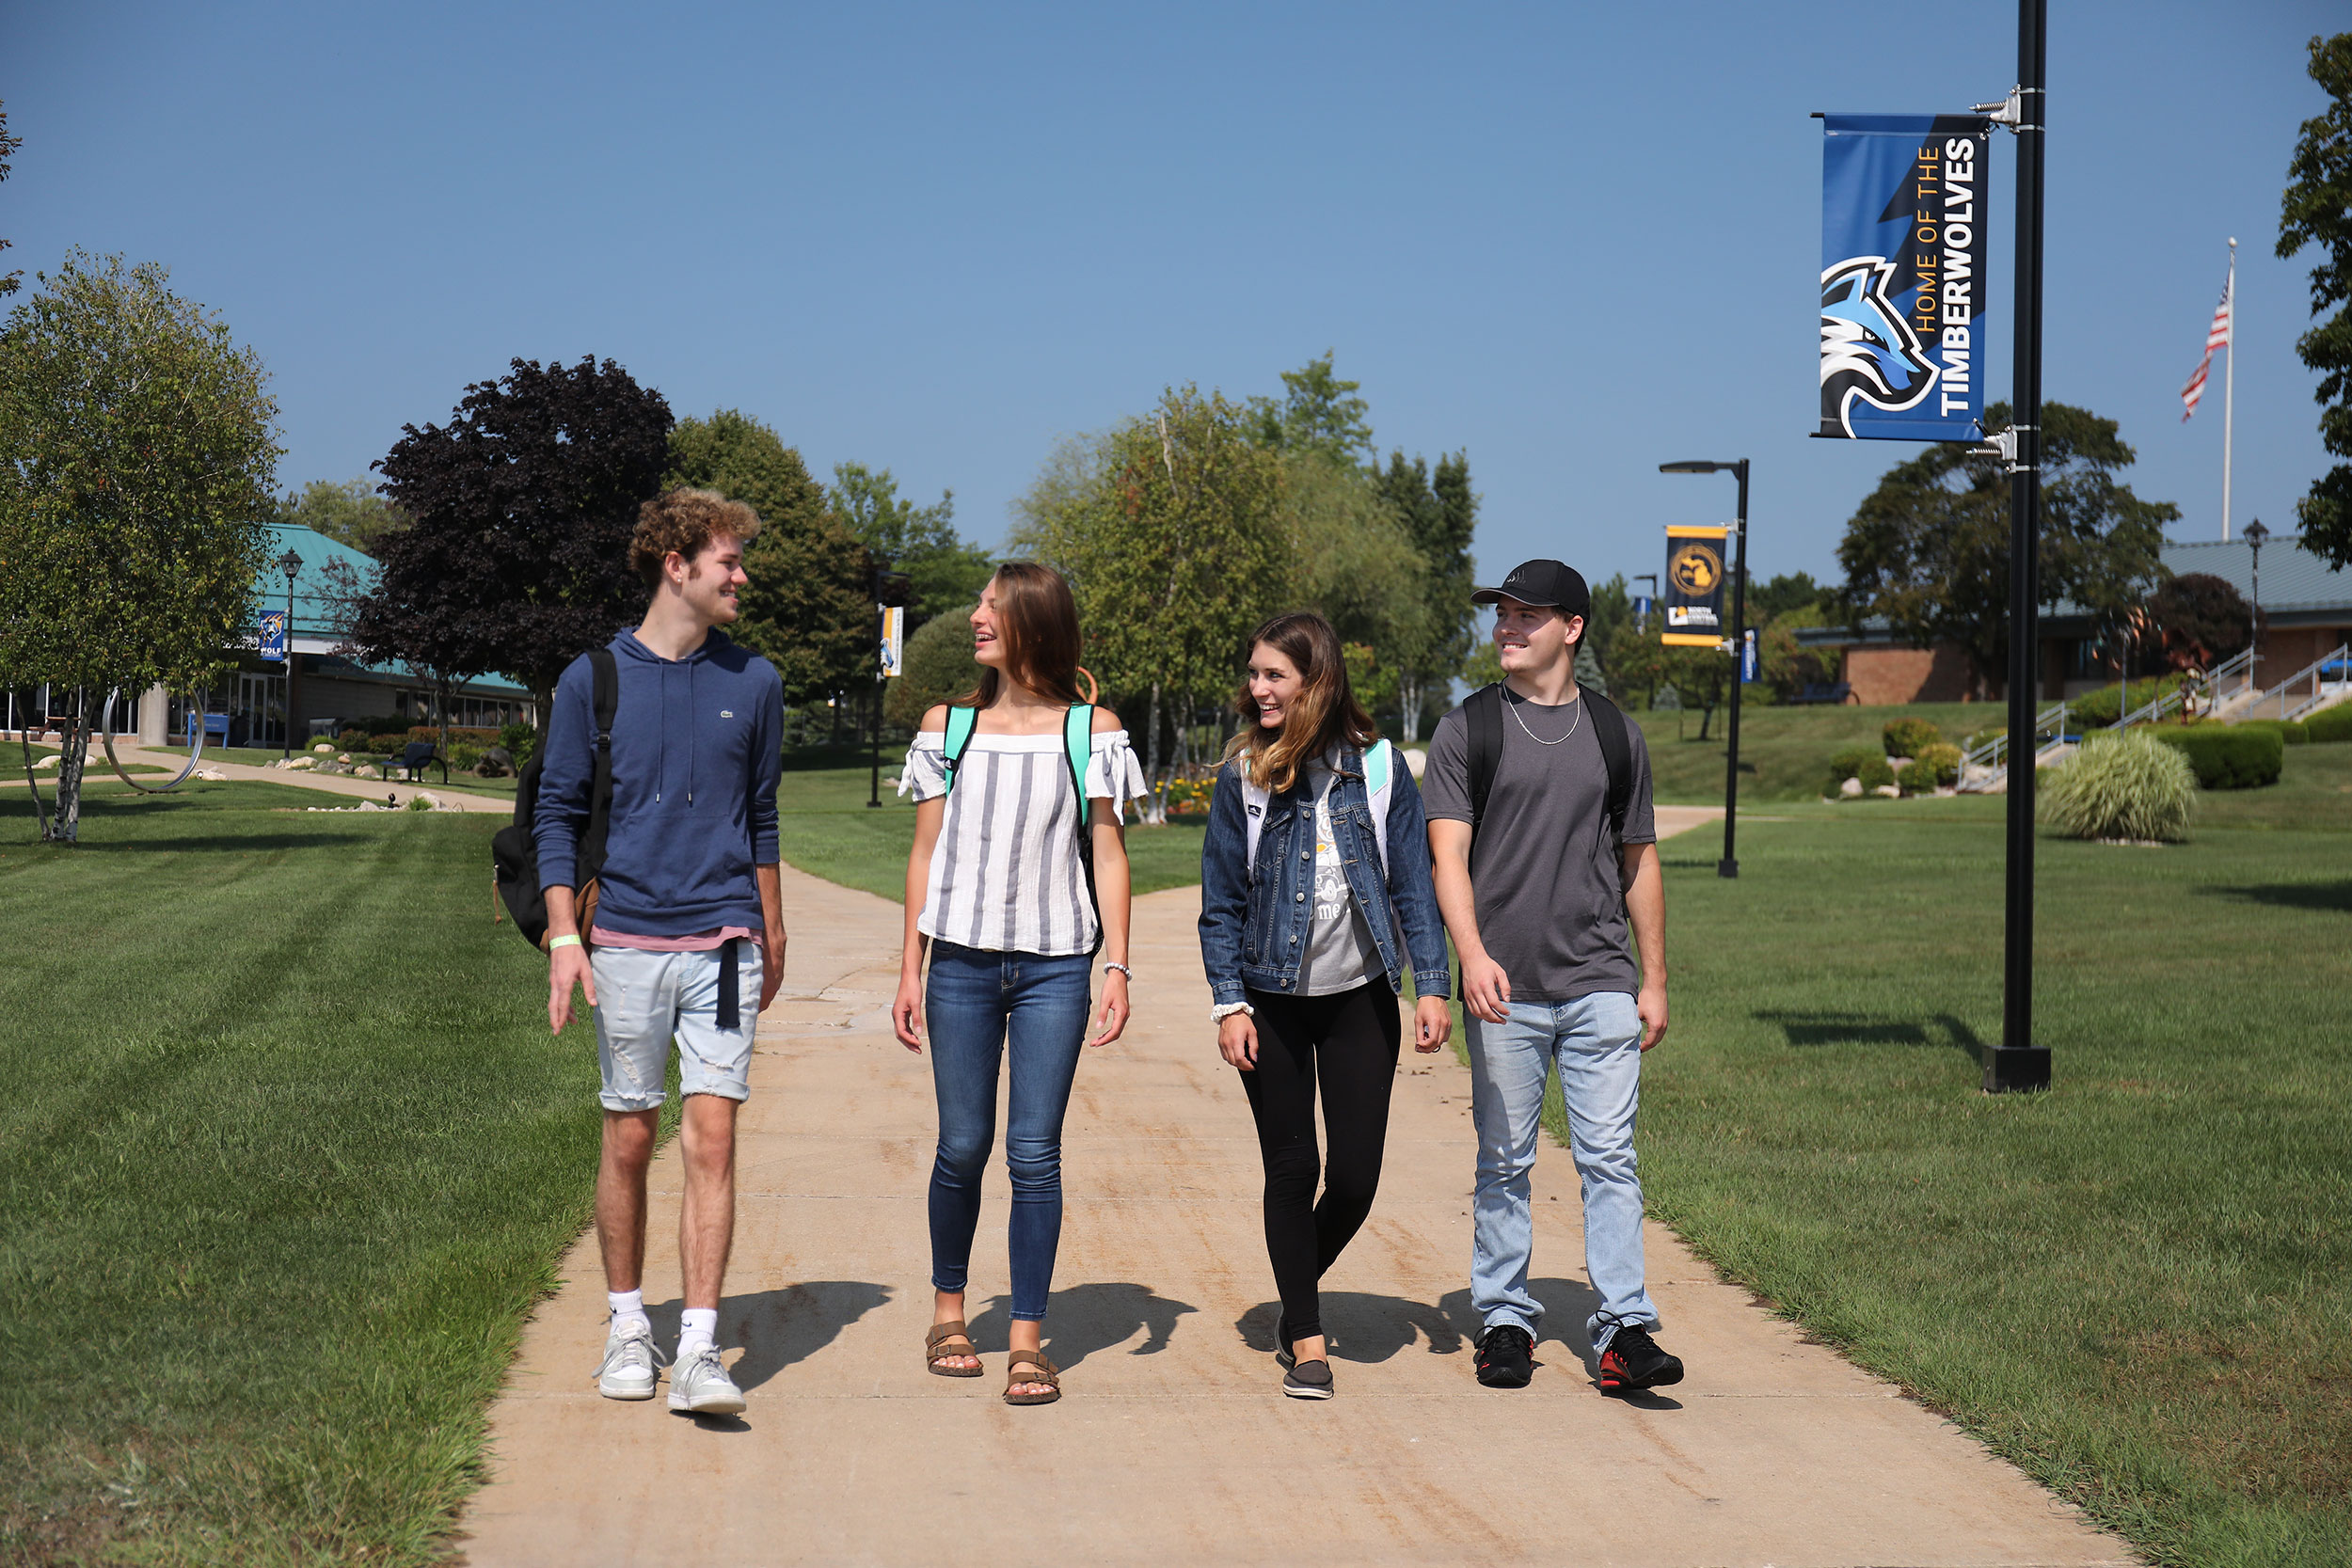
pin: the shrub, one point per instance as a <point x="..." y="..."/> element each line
<point x="353" y="740"/>
<point x="1943" y="760"/>
<point x="2128" y="786"/>
<point x="464" y="757"/>
<point x="2293" y="732"/>
<point x="1917" y="777"/>
<point x="1908" y="737"/>
<point x="1876" y="773"/>
<point x="2227" y="756"/>
<point x="1849" y="763"/>
<point x="520" y="740"/>
<point x="2329" y="726"/>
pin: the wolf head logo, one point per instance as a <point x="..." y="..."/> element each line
<point x="1868" y="351"/>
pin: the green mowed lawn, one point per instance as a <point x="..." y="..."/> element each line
<point x="2137" y="1287"/>
<point x="1784" y="752"/>
<point x="289" y="1152"/>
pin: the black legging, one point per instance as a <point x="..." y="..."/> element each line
<point x="1350" y="1042"/>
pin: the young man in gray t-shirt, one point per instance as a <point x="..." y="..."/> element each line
<point x="1537" y="889"/>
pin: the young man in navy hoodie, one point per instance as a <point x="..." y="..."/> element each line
<point x="687" y="925"/>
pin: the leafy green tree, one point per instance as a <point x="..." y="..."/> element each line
<point x="1441" y="513"/>
<point x="9" y="282"/>
<point x="1317" y="413"/>
<point x="938" y="668"/>
<point x="944" y="573"/>
<point x="1354" y="565"/>
<point x="520" y="508"/>
<point x="810" y="605"/>
<point x="1768" y="601"/>
<point x="1612" y="607"/>
<point x="353" y="513"/>
<point x="1929" y="548"/>
<point x="1787" y="665"/>
<point x="137" y="447"/>
<point x="1171" y="529"/>
<point x="2317" y="210"/>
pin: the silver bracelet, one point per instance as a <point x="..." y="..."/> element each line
<point x="1122" y="968"/>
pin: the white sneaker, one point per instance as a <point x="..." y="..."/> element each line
<point x="700" y="1386"/>
<point x="631" y="1362"/>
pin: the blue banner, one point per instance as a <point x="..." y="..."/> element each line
<point x="1903" y="218"/>
<point x="1747" y="660"/>
<point x="273" y="634"/>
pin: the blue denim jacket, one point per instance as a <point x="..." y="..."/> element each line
<point x="1251" y="933"/>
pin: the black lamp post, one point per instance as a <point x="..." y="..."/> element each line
<point x="288" y="564"/>
<point x="2254" y="533"/>
<point x="1729" y="865"/>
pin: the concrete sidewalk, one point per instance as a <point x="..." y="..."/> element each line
<point x="1172" y="1444"/>
<point x="330" y="784"/>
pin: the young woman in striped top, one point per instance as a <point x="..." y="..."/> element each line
<point x="1018" y="878"/>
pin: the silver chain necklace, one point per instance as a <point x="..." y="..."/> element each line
<point x="1517" y="702"/>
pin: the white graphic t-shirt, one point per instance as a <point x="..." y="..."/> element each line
<point x="1340" y="954"/>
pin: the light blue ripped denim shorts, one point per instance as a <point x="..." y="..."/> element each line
<point x="644" y="1000"/>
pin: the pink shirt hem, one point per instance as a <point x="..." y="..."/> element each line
<point x="702" y="941"/>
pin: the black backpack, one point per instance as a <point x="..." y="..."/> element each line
<point x="514" y="850"/>
<point x="1482" y="712"/>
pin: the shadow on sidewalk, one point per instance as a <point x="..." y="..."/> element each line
<point x="777" y="1328"/>
<point x="1088" y="1317"/>
<point x="1362" y="1327"/>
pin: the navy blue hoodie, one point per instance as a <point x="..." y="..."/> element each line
<point x="698" y="746"/>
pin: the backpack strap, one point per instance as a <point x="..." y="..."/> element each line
<point x="1077" y="742"/>
<point x="605" y="701"/>
<point x="1254" y="799"/>
<point x="1616" y="756"/>
<point x="962" y="722"/>
<point x="1482" y="715"/>
<point x="1379" y="773"/>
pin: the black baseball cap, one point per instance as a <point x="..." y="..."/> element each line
<point x="1543" y="582"/>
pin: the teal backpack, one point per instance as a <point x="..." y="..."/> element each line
<point x="1077" y="747"/>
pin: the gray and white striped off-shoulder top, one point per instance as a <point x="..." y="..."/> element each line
<point x="1005" y="875"/>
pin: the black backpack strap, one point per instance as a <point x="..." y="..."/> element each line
<point x="1482" y="715"/>
<point x="605" y="699"/>
<point x="1616" y="756"/>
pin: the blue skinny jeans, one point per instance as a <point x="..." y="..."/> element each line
<point x="977" y="1003"/>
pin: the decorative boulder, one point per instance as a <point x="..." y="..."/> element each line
<point x="1851" y="789"/>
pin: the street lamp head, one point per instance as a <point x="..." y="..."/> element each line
<point x="2256" y="533"/>
<point x="1692" y="467"/>
<point x="289" y="564"/>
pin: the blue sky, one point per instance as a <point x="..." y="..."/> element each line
<point x="1576" y="240"/>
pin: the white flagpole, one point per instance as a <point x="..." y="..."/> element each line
<point x="2229" y="391"/>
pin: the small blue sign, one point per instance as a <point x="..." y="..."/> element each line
<point x="1640" y="608"/>
<point x="1747" y="660"/>
<point x="273" y="637"/>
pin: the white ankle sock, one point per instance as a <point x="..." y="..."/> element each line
<point x="698" y="1329"/>
<point x="628" y="1310"/>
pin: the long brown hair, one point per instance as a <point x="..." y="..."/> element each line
<point x="1037" y="620"/>
<point x="1324" y="714"/>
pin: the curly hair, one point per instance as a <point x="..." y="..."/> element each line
<point x="686" y="521"/>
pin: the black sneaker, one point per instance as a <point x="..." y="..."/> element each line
<point x="1634" y="1361"/>
<point x="1506" y="1357"/>
<point x="1308" y="1380"/>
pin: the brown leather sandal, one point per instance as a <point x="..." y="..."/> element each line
<point x="935" y="1350"/>
<point x="1041" y="1371"/>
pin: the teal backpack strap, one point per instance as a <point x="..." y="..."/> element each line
<point x="1077" y="741"/>
<point x="960" y="723"/>
<point x="1376" y="757"/>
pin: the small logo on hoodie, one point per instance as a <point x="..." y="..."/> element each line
<point x="726" y="713"/>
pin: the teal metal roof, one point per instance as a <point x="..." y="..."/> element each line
<point x="318" y="613"/>
<point x="2295" y="581"/>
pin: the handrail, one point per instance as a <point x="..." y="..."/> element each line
<point x="1991" y="752"/>
<point x="2164" y="702"/>
<point x="2319" y="686"/>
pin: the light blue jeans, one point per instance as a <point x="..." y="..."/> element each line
<point x="1597" y="1043"/>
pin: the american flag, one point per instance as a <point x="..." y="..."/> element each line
<point x="2216" y="336"/>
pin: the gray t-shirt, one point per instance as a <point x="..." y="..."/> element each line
<point x="1340" y="954"/>
<point x="1548" y="891"/>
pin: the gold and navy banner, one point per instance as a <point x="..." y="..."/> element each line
<point x="1903" y="217"/>
<point x="1695" y="586"/>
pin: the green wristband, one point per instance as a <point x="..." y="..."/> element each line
<point x="554" y="943"/>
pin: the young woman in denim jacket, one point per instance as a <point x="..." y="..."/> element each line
<point x="1306" y="950"/>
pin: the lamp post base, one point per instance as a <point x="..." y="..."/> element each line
<point x="2014" y="1069"/>
<point x="1727" y="867"/>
